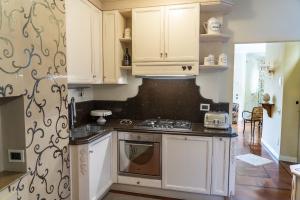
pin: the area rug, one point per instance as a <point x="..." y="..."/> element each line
<point x="253" y="159"/>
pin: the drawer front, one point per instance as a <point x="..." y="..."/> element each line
<point x="139" y="181"/>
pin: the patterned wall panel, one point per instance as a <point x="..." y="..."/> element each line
<point x="33" y="64"/>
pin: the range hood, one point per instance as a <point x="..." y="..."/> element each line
<point x="165" y="69"/>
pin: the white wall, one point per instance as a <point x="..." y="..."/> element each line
<point x="264" y="21"/>
<point x="271" y="136"/>
<point x="1" y="144"/>
<point x="290" y="110"/>
<point x="119" y="92"/>
<point x="81" y="94"/>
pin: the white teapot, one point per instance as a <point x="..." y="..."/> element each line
<point x="213" y="26"/>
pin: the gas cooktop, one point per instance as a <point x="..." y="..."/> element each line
<point x="165" y="124"/>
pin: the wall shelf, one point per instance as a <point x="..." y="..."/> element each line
<point x="213" y="67"/>
<point x="125" y="40"/>
<point x="268" y="107"/>
<point x="219" y="7"/>
<point x="214" y="37"/>
<point x="126" y="67"/>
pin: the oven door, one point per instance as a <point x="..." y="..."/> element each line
<point x="137" y="158"/>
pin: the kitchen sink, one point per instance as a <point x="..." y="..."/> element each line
<point x="87" y="131"/>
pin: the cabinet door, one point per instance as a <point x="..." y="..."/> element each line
<point x="100" y="166"/>
<point x="97" y="57"/>
<point x="187" y="163"/>
<point x="109" y="47"/>
<point x="147" y="34"/>
<point x="182" y="32"/>
<point x="220" y="166"/>
<point x="79" y="41"/>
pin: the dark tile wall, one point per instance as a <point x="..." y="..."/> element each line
<point x="165" y="98"/>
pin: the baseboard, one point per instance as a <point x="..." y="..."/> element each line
<point x="270" y="149"/>
<point x="164" y="193"/>
<point x="277" y="156"/>
<point x="288" y="158"/>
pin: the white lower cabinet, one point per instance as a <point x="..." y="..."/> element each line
<point x="220" y="166"/>
<point x="100" y="166"/>
<point x="92" y="168"/>
<point x="187" y="163"/>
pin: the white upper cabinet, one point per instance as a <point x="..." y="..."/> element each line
<point x="84" y="42"/>
<point x="187" y="163"/>
<point x="113" y="28"/>
<point x="182" y="32"/>
<point x="97" y="54"/>
<point x="148" y="34"/>
<point x="167" y="33"/>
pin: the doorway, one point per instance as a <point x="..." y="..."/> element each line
<point x="248" y="87"/>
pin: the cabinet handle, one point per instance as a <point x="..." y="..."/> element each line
<point x="161" y="55"/>
<point x="94" y="76"/>
<point x="166" y="54"/>
<point x="190" y="67"/>
<point x="183" y="67"/>
<point x="138" y="182"/>
<point x="185" y="138"/>
<point x="91" y="151"/>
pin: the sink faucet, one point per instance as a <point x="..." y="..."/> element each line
<point x="72" y="113"/>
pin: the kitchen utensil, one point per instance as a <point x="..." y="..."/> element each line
<point x="127" y="33"/>
<point x="101" y="114"/>
<point x="222" y="59"/>
<point x="213" y="26"/>
<point x="217" y="120"/>
<point x="209" y="60"/>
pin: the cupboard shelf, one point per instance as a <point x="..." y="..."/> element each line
<point x="126" y="67"/>
<point x="213" y="67"/>
<point x="219" y="7"/>
<point x="125" y="40"/>
<point x="214" y="37"/>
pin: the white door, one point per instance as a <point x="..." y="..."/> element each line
<point x="186" y="163"/>
<point x="148" y="34"/>
<point x="100" y="166"/>
<point x="79" y="41"/>
<point x="97" y="61"/>
<point x="220" y="166"/>
<point x="182" y="32"/>
<point x="109" y="47"/>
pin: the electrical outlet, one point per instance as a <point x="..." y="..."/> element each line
<point x="16" y="155"/>
<point x="204" y="107"/>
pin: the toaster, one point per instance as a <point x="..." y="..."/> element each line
<point x="218" y="120"/>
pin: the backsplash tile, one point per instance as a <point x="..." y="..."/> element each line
<point x="165" y="98"/>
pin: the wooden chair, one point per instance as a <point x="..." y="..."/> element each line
<point x="252" y="117"/>
<point x="235" y="113"/>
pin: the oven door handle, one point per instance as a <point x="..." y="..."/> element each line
<point x="139" y="144"/>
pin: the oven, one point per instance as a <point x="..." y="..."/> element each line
<point x="139" y="154"/>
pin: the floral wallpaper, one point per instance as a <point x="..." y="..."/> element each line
<point x="33" y="65"/>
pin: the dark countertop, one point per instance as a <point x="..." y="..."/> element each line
<point x="198" y="129"/>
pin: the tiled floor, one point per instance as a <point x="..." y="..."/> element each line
<point x="269" y="182"/>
